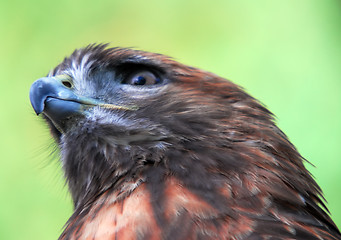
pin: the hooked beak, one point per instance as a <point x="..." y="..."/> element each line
<point x="55" y="97"/>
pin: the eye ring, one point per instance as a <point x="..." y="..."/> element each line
<point x="143" y="78"/>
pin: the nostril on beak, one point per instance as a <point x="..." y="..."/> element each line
<point x="67" y="83"/>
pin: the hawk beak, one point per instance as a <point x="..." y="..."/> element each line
<point x="55" y="97"/>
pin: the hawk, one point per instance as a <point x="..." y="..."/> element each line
<point x="154" y="149"/>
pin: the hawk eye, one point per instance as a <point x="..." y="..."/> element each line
<point x="143" y="78"/>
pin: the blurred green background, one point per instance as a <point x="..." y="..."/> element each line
<point x="285" y="53"/>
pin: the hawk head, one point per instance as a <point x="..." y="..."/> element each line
<point x="202" y="149"/>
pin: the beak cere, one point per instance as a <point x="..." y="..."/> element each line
<point x="55" y="97"/>
<point x="56" y="100"/>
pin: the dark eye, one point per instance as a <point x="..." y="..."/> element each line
<point x="143" y="78"/>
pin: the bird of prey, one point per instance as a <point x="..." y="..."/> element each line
<point x="154" y="149"/>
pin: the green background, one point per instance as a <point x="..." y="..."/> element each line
<point x="285" y="53"/>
